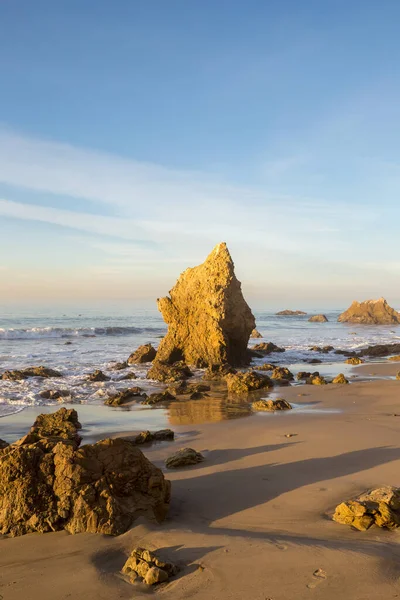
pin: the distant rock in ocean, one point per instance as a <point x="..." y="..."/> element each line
<point x="370" y="312"/>
<point x="318" y="319"/>
<point x="290" y="313"/>
<point x="209" y="321"/>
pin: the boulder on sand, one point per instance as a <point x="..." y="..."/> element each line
<point x="318" y="319"/>
<point x="354" y="360"/>
<point x="244" y="382"/>
<point x="144" y="354"/>
<point x="145" y="565"/>
<point x="183" y="458"/>
<point x="340" y="379"/>
<point x="370" y="312"/>
<point x="49" y="483"/>
<point x="272" y="405"/>
<point x="379" y="507"/>
<point x="209" y="321"/>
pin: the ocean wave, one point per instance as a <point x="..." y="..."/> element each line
<point x="71" y="332"/>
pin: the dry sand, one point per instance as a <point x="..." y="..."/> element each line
<point x="252" y="521"/>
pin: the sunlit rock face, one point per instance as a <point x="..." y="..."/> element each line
<point x="209" y="321"/>
<point x="370" y="312"/>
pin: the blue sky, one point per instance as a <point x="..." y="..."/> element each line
<point x="134" y="136"/>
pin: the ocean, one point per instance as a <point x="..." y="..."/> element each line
<point x="76" y="342"/>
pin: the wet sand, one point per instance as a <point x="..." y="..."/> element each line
<point x="251" y="521"/>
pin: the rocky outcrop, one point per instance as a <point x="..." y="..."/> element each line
<point x="143" y="565"/>
<point x="129" y="395"/>
<point x="354" y="360"/>
<point x="49" y="483"/>
<point x="30" y="372"/>
<point x="255" y="334"/>
<point x="322" y="349"/>
<point x="341" y="379"/>
<point x="272" y="405"/>
<point x="370" y="312"/>
<point x="146" y="437"/>
<point x="209" y="321"/>
<point x="380" y="350"/>
<point x="267" y="348"/>
<point x="119" y="366"/>
<point x="164" y="396"/>
<point x="306" y="375"/>
<point x="98" y="376"/>
<point x="379" y="507"/>
<point x="216" y="372"/>
<point x="144" y="354"/>
<point x="183" y="458"/>
<point x="169" y="373"/>
<point x="264" y="367"/>
<point x="245" y="382"/>
<point x="282" y="373"/>
<point x="318" y="319"/>
<point x="290" y="313"/>
<point x="317" y="380"/>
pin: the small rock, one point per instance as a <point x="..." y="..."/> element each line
<point x="244" y="382"/>
<point x="98" y="376"/>
<point x="162" y="435"/>
<point x="144" y="354"/>
<point x="272" y="405"/>
<point x="267" y="348"/>
<point x="218" y="371"/>
<point x="155" y="575"/>
<point x="147" y="566"/>
<point x="160" y="397"/>
<point x="282" y="373"/>
<point x="183" y="457"/>
<point x="354" y="360"/>
<point x="255" y="334"/>
<point x="127" y="377"/>
<point x="119" y="366"/>
<point x="318" y="319"/>
<point x="125" y="396"/>
<point x="30" y="372"/>
<point x="319" y="380"/>
<point x="169" y="373"/>
<point x="340" y="379"/>
<point x="54" y="394"/>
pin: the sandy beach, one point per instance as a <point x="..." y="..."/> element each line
<point x="252" y="520"/>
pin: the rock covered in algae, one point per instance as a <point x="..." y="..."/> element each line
<point x="370" y="312"/>
<point x="209" y="321"/>
<point x="146" y="566"/>
<point x="49" y="483"/>
<point x="380" y="507"/>
<point x="249" y="381"/>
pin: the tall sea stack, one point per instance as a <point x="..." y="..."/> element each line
<point x="209" y="321"/>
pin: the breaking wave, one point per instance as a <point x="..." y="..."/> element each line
<point x="72" y="332"/>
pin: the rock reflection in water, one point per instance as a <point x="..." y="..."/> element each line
<point x="207" y="410"/>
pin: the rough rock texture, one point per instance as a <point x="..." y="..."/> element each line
<point x="290" y="313"/>
<point x="49" y="483"/>
<point x="30" y="372"/>
<point x="183" y="458"/>
<point x="272" y="405"/>
<point x="282" y="373"/>
<point x="125" y="396"/>
<point x="379" y="507"/>
<point x="340" y="379"/>
<point x="157" y="398"/>
<point x="371" y="312"/>
<point x="3" y="444"/>
<point x="380" y="350"/>
<point x="216" y="372"/>
<point x="322" y="349"/>
<point x="306" y="375"/>
<point x="146" y="566"/>
<point x="318" y="319"/>
<point x="209" y="321"/>
<point x="317" y="380"/>
<point x="242" y="383"/>
<point x="119" y="366"/>
<point x="264" y="367"/>
<point x="144" y="354"/>
<point x="267" y="348"/>
<point x="98" y="376"/>
<point x="255" y="334"/>
<point x="169" y="373"/>
<point x="354" y="360"/>
<point x="145" y="437"/>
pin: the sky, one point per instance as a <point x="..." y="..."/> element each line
<point x="136" y="135"/>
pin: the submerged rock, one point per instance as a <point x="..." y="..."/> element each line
<point x="380" y="350"/>
<point x="49" y="483"/>
<point x="146" y="566"/>
<point x="370" y="312"/>
<point x="119" y="366"/>
<point x="249" y="381"/>
<point x="30" y="372"/>
<point x="144" y="354"/>
<point x="160" y="397"/>
<point x="169" y="373"/>
<point x="354" y="360"/>
<point x="267" y="348"/>
<point x="379" y="507"/>
<point x="125" y="396"/>
<point x="255" y="334"/>
<point x="209" y="321"/>
<point x="272" y="405"/>
<point x="128" y="376"/>
<point x="340" y="379"/>
<point x="54" y="394"/>
<point x="98" y="376"/>
<point x="318" y="319"/>
<point x="314" y="361"/>
<point x="183" y="458"/>
<point x="322" y="349"/>
<point x="290" y="313"/>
